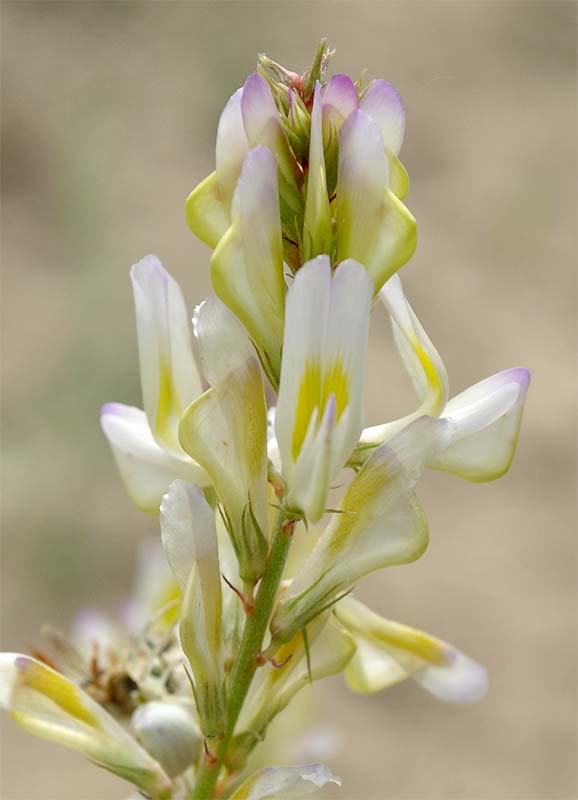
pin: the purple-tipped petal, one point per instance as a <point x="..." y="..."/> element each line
<point x="145" y="467"/>
<point x="263" y="123"/>
<point x="232" y="146"/>
<point x="389" y="652"/>
<point x="317" y="229"/>
<point x="247" y="266"/>
<point x="487" y="417"/>
<point x="341" y="95"/>
<point x="373" y="226"/>
<point x="383" y="103"/>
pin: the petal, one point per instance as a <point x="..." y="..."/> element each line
<point x="145" y="468"/>
<point x="263" y="124"/>
<point x="206" y="213"/>
<point x="169" y="376"/>
<point x="47" y="704"/>
<point x="307" y="312"/>
<point x="379" y="523"/>
<point x="317" y="228"/>
<point x="187" y="530"/>
<point x="189" y="537"/>
<point x="226" y="430"/>
<point x="487" y="417"/>
<point x="340" y="96"/>
<point x="310" y="479"/>
<point x="420" y="358"/>
<point x="323" y="357"/>
<point x="382" y="102"/>
<point x="232" y="147"/>
<point x="339" y="101"/>
<point x="286" y="782"/>
<point x="247" y="266"/>
<point x="373" y="226"/>
<point x="388" y="652"/>
<point x="398" y="177"/>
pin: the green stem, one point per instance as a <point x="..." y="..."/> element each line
<point x="250" y="648"/>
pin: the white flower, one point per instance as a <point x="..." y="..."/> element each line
<point x="145" y="443"/>
<point x="285" y="782"/>
<point x="225" y="430"/>
<point x="379" y="523"/>
<point x="318" y="417"/>
<point x="388" y="652"/>
<point x="486" y="418"/>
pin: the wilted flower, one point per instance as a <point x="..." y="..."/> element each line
<point x="47" y="704"/>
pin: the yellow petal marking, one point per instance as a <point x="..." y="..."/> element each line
<point x="315" y="389"/>
<point x="415" y="642"/>
<point x="432" y="377"/>
<point x="57" y="688"/>
<point x="168" y="408"/>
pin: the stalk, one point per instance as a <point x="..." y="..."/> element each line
<point x="250" y="648"/>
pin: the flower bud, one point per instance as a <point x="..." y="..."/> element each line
<point x="190" y="541"/>
<point x="168" y="732"/>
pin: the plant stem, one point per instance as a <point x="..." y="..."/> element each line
<point x="250" y="647"/>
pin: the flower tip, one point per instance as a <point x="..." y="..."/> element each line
<point x="148" y="266"/>
<point x="522" y="376"/>
<point x="255" y="92"/>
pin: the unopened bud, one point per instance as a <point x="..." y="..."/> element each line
<point x="169" y="733"/>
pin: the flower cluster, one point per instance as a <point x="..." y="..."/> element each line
<point x="305" y="219"/>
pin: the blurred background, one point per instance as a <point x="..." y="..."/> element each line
<point x="109" y="117"/>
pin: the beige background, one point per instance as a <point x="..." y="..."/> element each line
<point x="109" y="112"/>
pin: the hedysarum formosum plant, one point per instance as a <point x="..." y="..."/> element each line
<point x="306" y="220"/>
